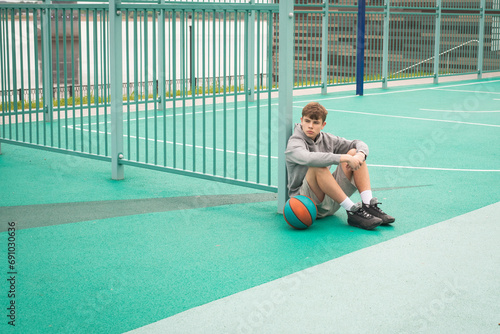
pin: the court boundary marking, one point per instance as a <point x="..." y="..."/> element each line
<point x="402" y="91"/>
<point x="466" y="91"/>
<point x="274" y="157"/>
<point x="478" y="111"/>
<point x="438" y="168"/>
<point x="408" y="117"/>
<point x="161" y="141"/>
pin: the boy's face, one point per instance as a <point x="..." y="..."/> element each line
<point x="312" y="127"/>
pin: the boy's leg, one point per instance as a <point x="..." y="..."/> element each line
<point x="362" y="181"/>
<point x="322" y="182"/>
<point x="361" y="175"/>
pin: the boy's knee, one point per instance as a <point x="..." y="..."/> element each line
<point x="352" y="152"/>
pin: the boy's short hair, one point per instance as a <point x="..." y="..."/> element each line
<point x="314" y="110"/>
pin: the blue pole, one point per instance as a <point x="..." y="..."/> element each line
<point x="360" y="48"/>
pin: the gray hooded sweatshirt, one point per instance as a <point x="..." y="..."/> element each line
<point x="302" y="152"/>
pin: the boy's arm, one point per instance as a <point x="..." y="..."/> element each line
<point x="353" y="161"/>
<point x="342" y="146"/>
<point x="298" y="153"/>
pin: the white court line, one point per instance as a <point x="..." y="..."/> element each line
<point x="185" y="114"/>
<point x="437" y="168"/>
<point x="273" y="157"/>
<point x="407" y="117"/>
<point x="465" y="91"/>
<point x="480" y="111"/>
<point x="170" y="142"/>
<point x="399" y="91"/>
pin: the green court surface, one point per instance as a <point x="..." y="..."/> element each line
<point x="94" y="255"/>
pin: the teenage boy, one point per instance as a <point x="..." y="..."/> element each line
<point x="309" y="155"/>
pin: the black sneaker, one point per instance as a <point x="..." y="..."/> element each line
<point x="358" y="217"/>
<point x="374" y="210"/>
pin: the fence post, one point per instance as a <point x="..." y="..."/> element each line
<point x="161" y="56"/>
<point x="251" y="54"/>
<point x="324" y="48"/>
<point x="480" y="55"/>
<point x="285" y="109"/>
<point x="360" y="48"/>
<point x="385" y="46"/>
<point x="116" y="82"/>
<point x="437" y="41"/>
<point x="47" y="64"/>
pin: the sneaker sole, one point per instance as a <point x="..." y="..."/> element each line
<point x="371" y="227"/>
<point x="389" y="222"/>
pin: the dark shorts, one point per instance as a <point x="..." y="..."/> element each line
<point x="328" y="206"/>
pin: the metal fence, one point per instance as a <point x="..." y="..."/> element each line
<point x="171" y="85"/>
<point x="404" y="39"/>
<point x="187" y="73"/>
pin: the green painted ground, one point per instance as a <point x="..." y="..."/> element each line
<point x="116" y="274"/>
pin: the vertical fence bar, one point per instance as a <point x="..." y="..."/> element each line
<point x="80" y="54"/>
<point x="8" y="44"/>
<point x="104" y="70"/>
<point x="65" y="73"/>
<point x="14" y="71"/>
<point x="385" y="44"/>
<point x="21" y="57"/>
<point x="258" y="134"/>
<point x="204" y="87"/>
<point x="480" y="55"/>
<point x="96" y="81"/>
<point x="224" y="94"/>
<point x="214" y="93"/>
<point x="270" y="39"/>
<point x="184" y="83"/>
<point x="47" y="63"/>
<point x="251" y="54"/>
<point x="115" y="24"/>
<point x="2" y="82"/>
<point x="58" y="76"/>
<point x="360" y="48"/>
<point x="246" y="89"/>
<point x="89" y="96"/>
<point x="73" y="83"/>
<point x="161" y="62"/>
<point x="285" y="115"/>
<point x="324" y="48"/>
<point x="166" y="68"/>
<point x="173" y="42"/>
<point x="192" y="70"/>
<point x="137" y="93"/>
<point x="437" y="40"/>
<point x="29" y="75"/>
<point x="235" y="125"/>
<point x="3" y="71"/>
<point x="145" y="15"/>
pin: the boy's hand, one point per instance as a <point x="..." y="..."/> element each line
<point x="354" y="162"/>
<point x="361" y="156"/>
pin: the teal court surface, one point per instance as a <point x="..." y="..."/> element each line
<point x="164" y="253"/>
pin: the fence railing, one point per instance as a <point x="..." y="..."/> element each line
<point x="81" y="91"/>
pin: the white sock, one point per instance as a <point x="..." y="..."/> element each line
<point x="347" y="204"/>
<point x="366" y="196"/>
